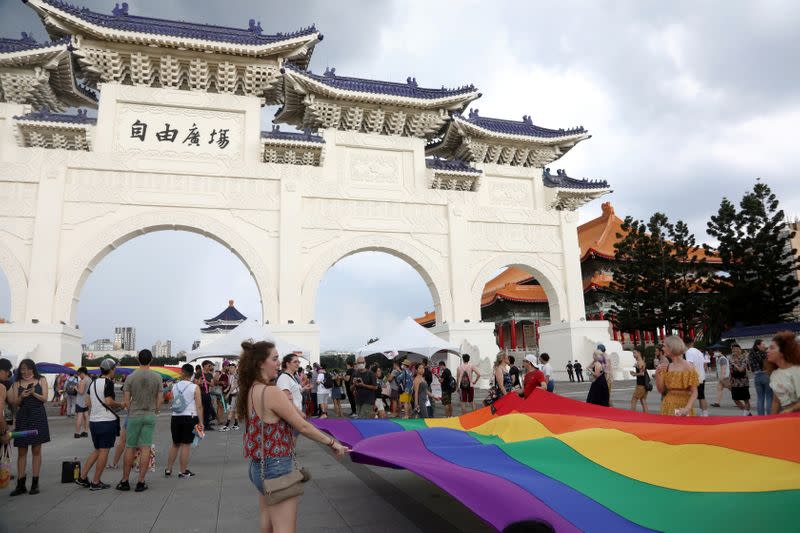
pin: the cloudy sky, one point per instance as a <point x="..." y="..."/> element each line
<point x="686" y="101"/>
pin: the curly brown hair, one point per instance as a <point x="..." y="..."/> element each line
<point x="787" y="344"/>
<point x="253" y="356"/>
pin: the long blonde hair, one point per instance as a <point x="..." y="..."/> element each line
<point x="498" y="360"/>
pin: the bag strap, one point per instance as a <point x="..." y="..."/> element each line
<point x="102" y="402"/>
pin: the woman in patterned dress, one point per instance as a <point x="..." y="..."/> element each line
<point x="677" y="380"/>
<point x="269" y="441"/>
<point x="740" y="383"/>
<point x="29" y="394"/>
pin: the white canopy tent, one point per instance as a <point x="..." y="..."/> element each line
<point x="408" y="336"/>
<point x="230" y="345"/>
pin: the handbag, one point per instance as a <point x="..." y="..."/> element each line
<point x="492" y="396"/>
<point x="5" y="466"/>
<point x="283" y="487"/>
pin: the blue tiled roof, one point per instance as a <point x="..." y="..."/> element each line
<point x="121" y="20"/>
<point x="230" y="314"/>
<point x="215" y="328"/>
<point x="562" y="181"/>
<point x="27" y="42"/>
<point x="454" y="165"/>
<point x="763" y="330"/>
<point x="525" y="128"/>
<point x="45" y="115"/>
<point x="305" y="136"/>
<point x="410" y="89"/>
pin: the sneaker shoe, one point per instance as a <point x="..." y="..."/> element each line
<point x="83" y="482"/>
<point x="99" y="486"/>
<point x="167" y="473"/>
<point x="224" y="428"/>
<point x="77" y="435"/>
<point x="186" y="474"/>
<point x="141" y="486"/>
<point x="84" y="434"/>
<point x="124" y="486"/>
<point x="236" y="426"/>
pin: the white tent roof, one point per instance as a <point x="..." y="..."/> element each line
<point x="230" y="345"/>
<point x="407" y="336"/>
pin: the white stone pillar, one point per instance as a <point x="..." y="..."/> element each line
<point x="573" y="277"/>
<point x="289" y="283"/>
<point x="458" y="256"/>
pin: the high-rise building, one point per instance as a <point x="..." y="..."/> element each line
<point x="99" y="345"/>
<point x="162" y="349"/>
<point x="125" y="337"/>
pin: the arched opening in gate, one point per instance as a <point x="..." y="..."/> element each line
<point x="518" y="298"/>
<point x="366" y="293"/>
<point x="165" y="285"/>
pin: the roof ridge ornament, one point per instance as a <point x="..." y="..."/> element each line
<point x="526" y="119"/>
<point x="413" y="82"/>
<point x="120" y="11"/>
<point x="27" y="39"/>
<point x="473" y="113"/>
<point x="330" y="72"/>
<point x="255" y="27"/>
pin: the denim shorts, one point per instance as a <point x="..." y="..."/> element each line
<point x="275" y="467"/>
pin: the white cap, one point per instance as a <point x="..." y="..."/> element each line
<point x="531" y="358"/>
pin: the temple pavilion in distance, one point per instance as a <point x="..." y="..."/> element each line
<point x="220" y="325"/>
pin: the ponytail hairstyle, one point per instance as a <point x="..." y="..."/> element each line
<point x="286" y="360"/>
<point x="253" y="356"/>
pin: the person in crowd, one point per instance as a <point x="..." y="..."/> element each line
<point x="448" y="388"/>
<point x="269" y="442"/>
<point x="695" y="356"/>
<point x="677" y="380"/>
<point x="783" y="367"/>
<point x="608" y="372"/>
<point x="58" y="388"/>
<point x="466" y="377"/>
<point x="740" y="383"/>
<point x="578" y="367"/>
<point x="723" y="370"/>
<point x="324" y="387"/>
<point x="71" y="391"/>
<point x="756" y="360"/>
<point x="315" y="388"/>
<point x="338" y="392"/>
<point x="502" y="379"/>
<point x="513" y="371"/>
<point x="365" y="385"/>
<point x="570" y="371"/>
<point x="205" y="379"/>
<point x="534" y="378"/>
<point x="29" y="395"/>
<point x="406" y="387"/>
<point x="307" y="385"/>
<point x="5" y="408"/>
<point x="349" y="388"/>
<point x="640" y="373"/>
<point x="598" y="390"/>
<point x="394" y="388"/>
<point x="183" y="422"/>
<point x="289" y="381"/>
<point x="223" y="388"/>
<point x="143" y="397"/>
<point x="81" y="409"/>
<point x="429" y="380"/>
<point x="547" y="370"/>
<point x="103" y="424"/>
<point x="380" y="397"/>
<point x="231" y="396"/>
<point x="421" y="392"/>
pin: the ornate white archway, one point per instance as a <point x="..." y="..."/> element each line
<point x="437" y="283"/>
<point x="549" y="278"/>
<point x="109" y="238"/>
<point x="17" y="283"/>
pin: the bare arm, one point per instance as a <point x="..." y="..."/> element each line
<point x="285" y="409"/>
<point x="416" y="392"/>
<point x="691" y="401"/>
<point x="198" y="404"/>
<point x="126" y="399"/>
<point x="662" y="368"/>
<point x="498" y="380"/>
<point x="477" y="375"/>
<point x="159" y="400"/>
<point x="45" y="389"/>
<point x="82" y="385"/>
<point x="776" y="405"/>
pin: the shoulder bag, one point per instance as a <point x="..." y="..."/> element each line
<point x="284" y="487"/>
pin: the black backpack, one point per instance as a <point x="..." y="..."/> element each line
<point x="466" y="380"/>
<point x="449" y="384"/>
<point x="327" y="381"/>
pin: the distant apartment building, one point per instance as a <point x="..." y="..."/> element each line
<point x="125" y="337"/>
<point x="162" y="349"/>
<point x="99" y="345"/>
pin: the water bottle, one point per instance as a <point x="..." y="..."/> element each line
<point x="76" y="471"/>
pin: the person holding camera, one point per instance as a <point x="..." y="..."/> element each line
<point x="29" y="394"/>
<point x="365" y="385"/>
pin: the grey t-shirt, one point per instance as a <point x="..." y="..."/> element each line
<point x="393" y="383"/>
<point x="80" y="399"/>
<point x="144" y="386"/>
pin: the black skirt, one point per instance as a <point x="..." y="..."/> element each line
<point x="740" y="393"/>
<point x="598" y="392"/>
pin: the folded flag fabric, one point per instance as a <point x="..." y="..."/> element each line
<point x="581" y="467"/>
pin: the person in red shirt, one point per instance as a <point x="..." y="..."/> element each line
<point x="534" y="378"/>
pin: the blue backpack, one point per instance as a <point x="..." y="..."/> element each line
<point x="179" y="402"/>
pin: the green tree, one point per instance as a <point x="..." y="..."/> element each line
<point x="758" y="283"/>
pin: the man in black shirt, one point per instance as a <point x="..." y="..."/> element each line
<point x="205" y="380"/>
<point x="578" y="371"/>
<point x="513" y="371"/>
<point x="348" y="387"/>
<point x="365" y="384"/>
<point x="569" y="371"/>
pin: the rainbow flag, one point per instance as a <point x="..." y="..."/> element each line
<point x="581" y="467"/>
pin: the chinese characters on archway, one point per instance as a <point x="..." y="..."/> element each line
<point x="192" y="137"/>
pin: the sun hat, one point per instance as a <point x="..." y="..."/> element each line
<point x="531" y="358"/>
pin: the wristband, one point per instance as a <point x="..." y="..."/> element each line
<point x="332" y="443"/>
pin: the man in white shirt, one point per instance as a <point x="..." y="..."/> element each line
<point x="695" y="356"/>
<point x="547" y="370"/>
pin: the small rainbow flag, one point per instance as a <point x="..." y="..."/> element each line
<point x="581" y="467"/>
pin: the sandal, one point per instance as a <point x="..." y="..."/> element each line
<point x="167" y="473"/>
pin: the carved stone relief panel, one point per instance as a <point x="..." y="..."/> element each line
<point x="374" y="215"/>
<point x="514" y="237"/>
<point x="133" y="188"/>
<point x="373" y="169"/>
<point x="17" y="199"/>
<point x="506" y="192"/>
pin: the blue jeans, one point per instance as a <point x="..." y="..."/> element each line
<point x="763" y="392"/>
<point x="275" y="467"/>
<point x="551" y="385"/>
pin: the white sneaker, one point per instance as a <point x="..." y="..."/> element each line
<point x="224" y="428"/>
<point x="236" y="426"/>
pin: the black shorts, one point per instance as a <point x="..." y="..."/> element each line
<point x="182" y="428"/>
<point x="79" y="409"/>
<point x="701" y="391"/>
<point x="104" y="434"/>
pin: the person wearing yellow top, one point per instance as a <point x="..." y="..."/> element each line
<point x="677" y="379"/>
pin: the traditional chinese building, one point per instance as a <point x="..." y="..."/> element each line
<point x="223" y="323"/>
<point x="517" y="304"/>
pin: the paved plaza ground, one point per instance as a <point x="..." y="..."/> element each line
<point x="342" y="497"/>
